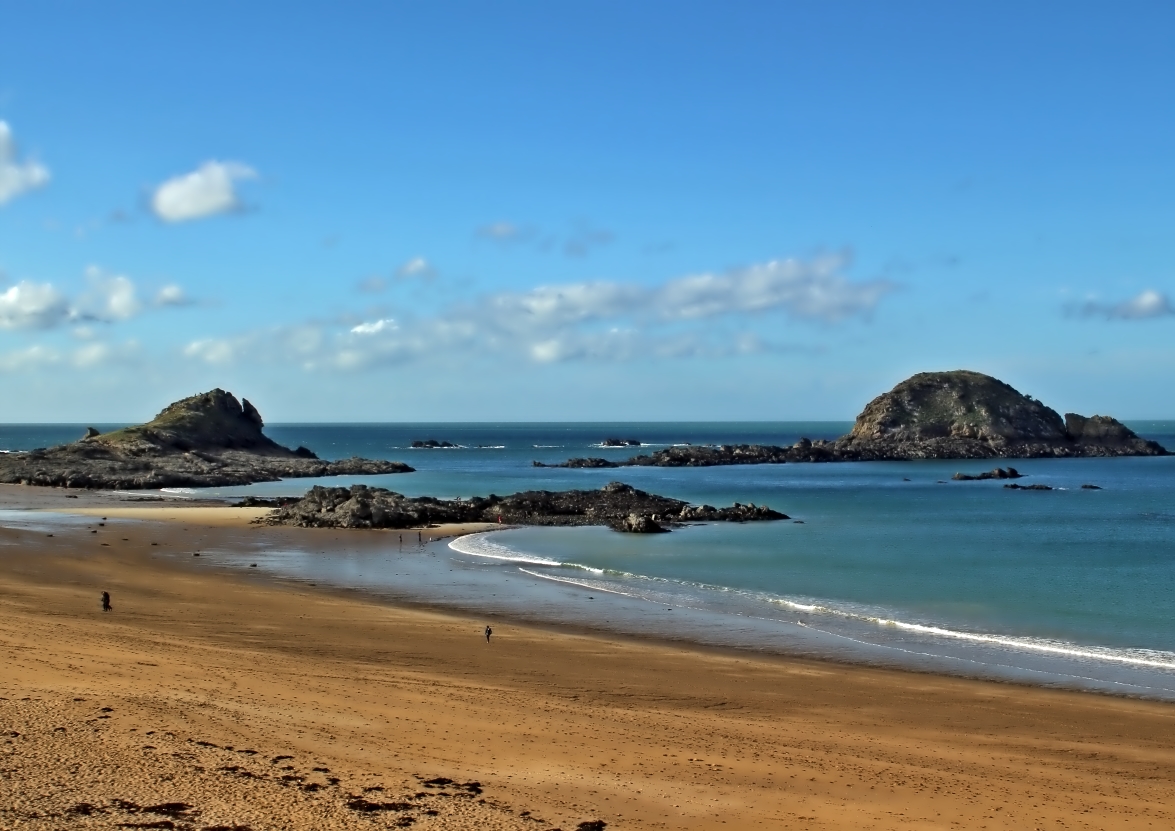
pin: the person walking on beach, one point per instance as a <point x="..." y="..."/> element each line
<point x="489" y="632"/>
<point x="106" y="607"/>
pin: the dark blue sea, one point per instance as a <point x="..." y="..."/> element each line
<point x="890" y="563"/>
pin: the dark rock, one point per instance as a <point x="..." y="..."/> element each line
<point x="264" y="502"/>
<point x="639" y="524"/>
<point x="998" y="473"/>
<point x="1091" y="487"/>
<point x="616" y="505"/>
<point x="430" y="444"/>
<point x="620" y="443"/>
<point x="932" y="415"/>
<point x="91" y="433"/>
<point x="583" y="463"/>
<point x="1016" y="487"/>
<point x="208" y="440"/>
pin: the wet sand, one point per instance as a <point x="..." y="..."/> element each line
<point x="211" y="674"/>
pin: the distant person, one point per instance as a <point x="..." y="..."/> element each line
<point x="489" y="632"/>
<point x="106" y="607"/>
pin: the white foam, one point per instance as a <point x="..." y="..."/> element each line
<point x="480" y="545"/>
<point x="1155" y="659"/>
<point x="178" y="490"/>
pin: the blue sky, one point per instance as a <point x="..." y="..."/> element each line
<point x="566" y="211"/>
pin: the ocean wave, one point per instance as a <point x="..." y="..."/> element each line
<point x="178" y="490"/>
<point x="660" y="590"/>
<point x="479" y="545"/>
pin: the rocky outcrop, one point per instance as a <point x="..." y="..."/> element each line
<point x="616" y="505"/>
<point x="932" y="415"/>
<point x="208" y="440"/>
<point x="431" y="444"/>
<point x="620" y="443"/>
<point x="998" y="473"/>
<point x="968" y="415"/>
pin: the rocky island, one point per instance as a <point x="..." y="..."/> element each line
<point x="208" y="440"/>
<point x="616" y="505"/>
<point x="932" y="415"/>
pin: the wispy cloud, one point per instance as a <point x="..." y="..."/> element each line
<point x="503" y="231"/>
<point x="206" y="191"/>
<point x="86" y="356"/>
<point x="416" y="268"/>
<point x="1147" y="305"/>
<point x="172" y="295"/>
<point x="585" y="239"/>
<point x="16" y="176"/>
<point x="580" y="241"/>
<point x="697" y="315"/>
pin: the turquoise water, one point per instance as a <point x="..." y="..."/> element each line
<point x="892" y="562"/>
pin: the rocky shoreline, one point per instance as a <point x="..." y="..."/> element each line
<point x="616" y="505"/>
<point x="932" y="415"/>
<point x="208" y="440"/>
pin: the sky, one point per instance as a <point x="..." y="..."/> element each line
<point x="533" y="211"/>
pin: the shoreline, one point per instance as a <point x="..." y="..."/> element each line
<point x="785" y="641"/>
<point x="566" y="726"/>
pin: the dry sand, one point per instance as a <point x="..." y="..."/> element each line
<point x="214" y="698"/>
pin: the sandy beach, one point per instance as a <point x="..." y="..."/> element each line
<point x="213" y="698"/>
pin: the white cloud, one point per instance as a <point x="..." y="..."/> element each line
<point x="705" y="315"/>
<point x="172" y="295"/>
<point x="206" y="191"/>
<point x="553" y="306"/>
<point x="32" y="306"/>
<point x="374" y="328"/>
<point x="111" y="297"/>
<point x="17" y="177"/>
<point x="808" y="290"/>
<point x="212" y="350"/>
<point x="1145" y="306"/>
<point x="416" y="267"/>
<point x="812" y="290"/>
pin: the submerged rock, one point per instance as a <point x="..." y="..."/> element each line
<point x="208" y="440"/>
<point x="998" y="473"/>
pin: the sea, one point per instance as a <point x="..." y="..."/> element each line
<point x="881" y="563"/>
